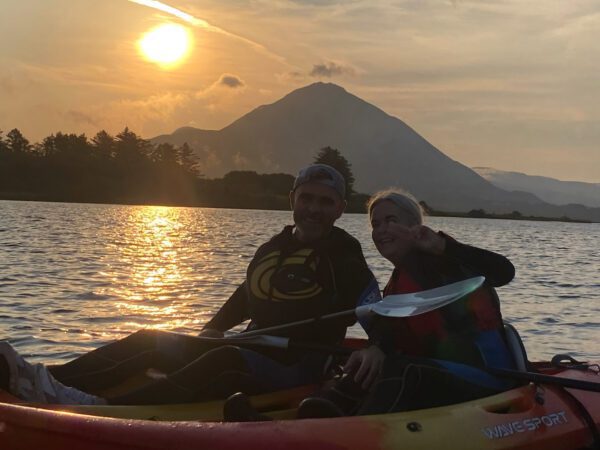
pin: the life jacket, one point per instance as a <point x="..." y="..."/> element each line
<point x="468" y="331"/>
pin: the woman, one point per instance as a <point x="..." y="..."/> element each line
<point x="436" y="358"/>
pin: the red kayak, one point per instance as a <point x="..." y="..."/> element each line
<point x="534" y="416"/>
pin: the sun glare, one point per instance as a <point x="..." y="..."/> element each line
<point x="166" y="45"/>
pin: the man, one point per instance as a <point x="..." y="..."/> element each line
<point x="308" y="270"/>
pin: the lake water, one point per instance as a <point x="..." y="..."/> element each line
<point x="77" y="276"/>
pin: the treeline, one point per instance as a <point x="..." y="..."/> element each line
<point x="105" y="169"/>
<point x="127" y="169"/>
<point x="483" y="214"/>
<point x="516" y="215"/>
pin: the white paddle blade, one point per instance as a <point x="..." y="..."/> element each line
<point x="408" y="305"/>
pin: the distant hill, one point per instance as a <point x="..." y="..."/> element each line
<point x="550" y="190"/>
<point x="383" y="151"/>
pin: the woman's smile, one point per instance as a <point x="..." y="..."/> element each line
<point x="391" y="235"/>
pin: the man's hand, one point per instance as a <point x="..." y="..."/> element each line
<point x="367" y="363"/>
<point x="211" y="333"/>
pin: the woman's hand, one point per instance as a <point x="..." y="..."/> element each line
<point x="429" y="241"/>
<point x="366" y="363"/>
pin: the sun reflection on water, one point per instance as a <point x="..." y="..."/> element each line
<point x="153" y="262"/>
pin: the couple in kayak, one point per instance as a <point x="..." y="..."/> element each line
<point x="312" y="269"/>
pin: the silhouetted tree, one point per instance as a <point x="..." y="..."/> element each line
<point x="66" y="146"/>
<point x="126" y="169"/>
<point x="47" y="147"/>
<point x="242" y="180"/>
<point x="164" y="153"/>
<point x="130" y="148"/>
<point x="3" y="145"/>
<point x="188" y="160"/>
<point x="333" y="158"/>
<point x="104" y="145"/>
<point x="16" y="142"/>
<point x="478" y="213"/>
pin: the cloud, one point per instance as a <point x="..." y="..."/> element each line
<point x="143" y="115"/>
<point x="81" y="117"/>
<point x="328" y="69"/>
<point x="203" y="24"/>
<point x="160" y="6"/>
<point x="155" y="106"/>
<point x="292" y="77"/>
<point x="82" y="76"/>
<point x="231" y="81"/>
<point x="14" y="82"/>
<point x="331" y="69"/>
<point x="226" y="83"/>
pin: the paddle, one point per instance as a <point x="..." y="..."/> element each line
<point x="262" y="340"/>
<point x="286" y="343"/>
<point x="547" y="379"/>
<point x="399" y="305"/>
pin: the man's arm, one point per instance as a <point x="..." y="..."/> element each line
<point x="355" y="282"/>
<point x="359" y="287"/>
<point x="365" y="365"/>
<point x="232" y="313"/>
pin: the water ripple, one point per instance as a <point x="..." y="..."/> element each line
<point x="74" y="277"/>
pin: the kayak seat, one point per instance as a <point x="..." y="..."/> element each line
<point x="516" y="348"/>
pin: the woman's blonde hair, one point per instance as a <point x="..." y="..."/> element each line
<point x="403" y="200"/>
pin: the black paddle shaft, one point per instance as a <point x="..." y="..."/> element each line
<point x="286" y="326"/>
<point x="547" y="379"/>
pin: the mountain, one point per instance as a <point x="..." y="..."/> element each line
<point x="383" y="151"/>
<point x="550" y="190"/>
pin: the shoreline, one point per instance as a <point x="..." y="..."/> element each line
<point x="474" y="214"/>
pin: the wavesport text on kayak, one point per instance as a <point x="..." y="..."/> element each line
<point x="521" y="426"/>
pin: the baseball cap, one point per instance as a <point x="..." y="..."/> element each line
<point x="324" y="174"/>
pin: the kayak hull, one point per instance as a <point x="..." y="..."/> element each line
<point x="529" y="417"/>
<point x="523" y="418"/>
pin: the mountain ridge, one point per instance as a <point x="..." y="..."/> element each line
<point x="551" y="190"/>
<point x="384" y="151"/>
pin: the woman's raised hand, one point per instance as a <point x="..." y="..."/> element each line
<point x="428" y="240"/>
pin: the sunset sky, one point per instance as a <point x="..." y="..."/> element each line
<point x="509" y="84"/>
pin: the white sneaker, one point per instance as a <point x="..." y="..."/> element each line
<point x="34" y="383"/>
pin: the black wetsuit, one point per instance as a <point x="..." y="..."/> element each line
<point x="288" y="281"/>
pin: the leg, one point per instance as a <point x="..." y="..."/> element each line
<point x="33" y="382"/>
<point x="4" y="374"/>
<point x="110" y="364"/>
<point x="408" y="384"/>
<point x="191" y="383"/>
<point x="341" y="397"/>
<point x="309" y="370"/>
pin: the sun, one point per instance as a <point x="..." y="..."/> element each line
<point x="166" y="45"/>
